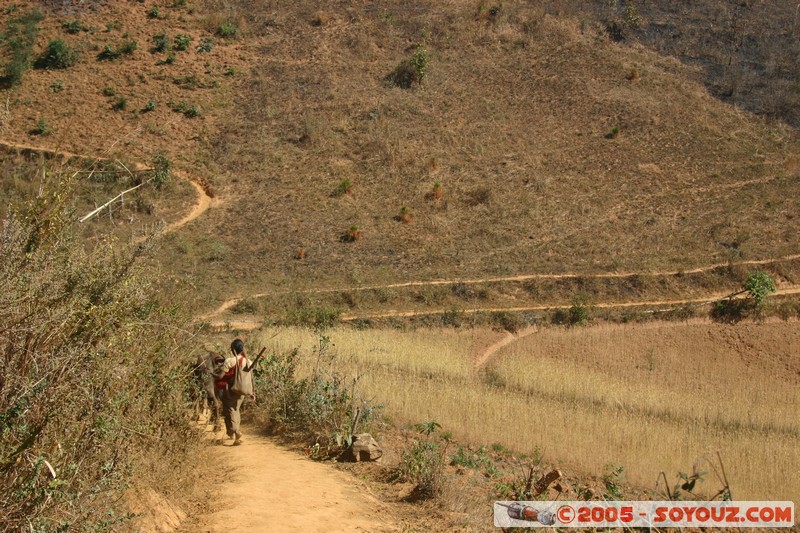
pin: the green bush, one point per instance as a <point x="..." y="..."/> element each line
<point x="579" y="313"/>
<point x="74" y="26"/>
<point x="57" y="55"/>
<point x="154" y="12"/>
<point x="108" y="53"/>
<point x="411" y="71"/>
<point x="170" y="59"/>
<point x="93" y="392"/>
<point x="759" y="285"/>
<point x="182" y="42"/>
<point x="161" y="43"/>
<point x="323" y="408"/>
<point x="162" y="169"/>
<point x="120" y="104"/>
<point x="227" y="30"/>
<point x="41" y="128"/>
<point x="127" y="47"/>
<point x="17" y="43"/>
<point x="423" y="465"/>
<point x="206" y="45"/>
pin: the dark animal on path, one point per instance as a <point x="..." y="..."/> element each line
<point x="206" y="401"/>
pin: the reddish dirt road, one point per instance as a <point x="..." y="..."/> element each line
<point x="263" y="487"/>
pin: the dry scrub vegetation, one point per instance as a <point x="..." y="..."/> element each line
<point x="93" y="377"/>
<point x="647" y="397"/>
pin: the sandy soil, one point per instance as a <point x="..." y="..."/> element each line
<point x="268" y="488"/>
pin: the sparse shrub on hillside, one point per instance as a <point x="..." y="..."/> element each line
<point x="423" y="464"/>
<point x="57" y="86"/>
<point x="170" y="59"/>
<point x="412" y="71"/>
<point x="227" y="30"/>
<point x="182" y="42"/>
<point x="631" y="15"/>
<point x="618" y="26"/>
<point x="613" y="481"/>
<point x="162" y="170"/>
<point x="120" y="104"/>
<point x="352" y="234"/>
<point x="730" y="310"/>
<point x="206" y="45"/>
<point x="154" y="12"/>
<point x="41" y="128"/>
<point x="16" y="43"/>
<point x="109" y="91"/>
<point x="345" y="187"/>
<point x="161" y="43"/>
<point x="437" y="192"/>
<point x="508" y="321"/>
<point x="759" y="285"/>
<point x="127" y="47"/>
<point x="404" y="216"/>
<point x="149" y="106"/>
<point x="110" y="53"/>
<point x="74" y="27"/>
<point x="322" y="408"/>
<point x="319" y="318"/>
<point x="613" y="133"/>
<point x="57" y="55"/>
<point x="579" y="313"/>
<point x="93" y="388"/>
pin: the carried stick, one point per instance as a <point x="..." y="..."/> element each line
<point x="255" y="361"/>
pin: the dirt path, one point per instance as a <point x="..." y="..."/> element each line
<point x="247" y="325"/>
<point x="271" y="489"/>
<point x="204" y="198"/>
<point x="474" y="281"/>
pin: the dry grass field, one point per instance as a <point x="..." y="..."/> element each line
<point x="648" y="397"/>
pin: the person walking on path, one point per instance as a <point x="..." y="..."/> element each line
<point x="232" y="402"/>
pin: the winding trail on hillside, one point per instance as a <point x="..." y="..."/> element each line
<point x="498" y="279"/>
<point x="205" y="197"/>
<point x="244" y="324"/>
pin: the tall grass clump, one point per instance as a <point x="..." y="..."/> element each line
<point x="92" y="382"/>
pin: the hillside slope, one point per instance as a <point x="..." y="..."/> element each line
<point x="549" y="157"/>
<point x="556" y="149"/>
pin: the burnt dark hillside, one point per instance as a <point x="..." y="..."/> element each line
<point x="748" y="51"/>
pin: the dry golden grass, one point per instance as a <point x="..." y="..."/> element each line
<point x="649" y="397"/>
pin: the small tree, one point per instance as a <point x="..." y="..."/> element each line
<point x="759" y="285"/>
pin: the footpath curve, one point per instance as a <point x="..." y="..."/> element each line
<point x="205" y="197"/>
